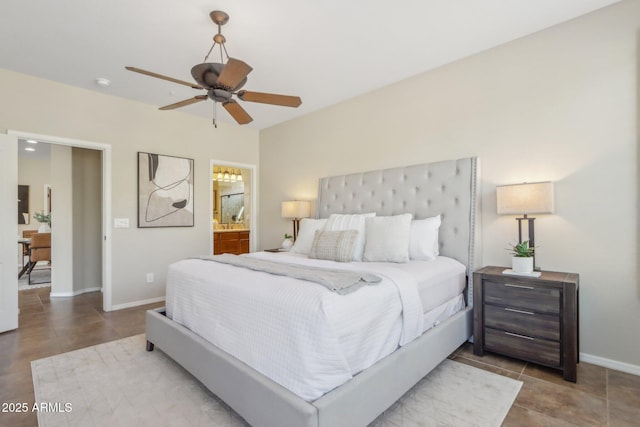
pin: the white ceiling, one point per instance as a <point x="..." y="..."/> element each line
<point x="324" y="51"/>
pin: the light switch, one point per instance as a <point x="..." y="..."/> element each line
<point x="121" y="223"/>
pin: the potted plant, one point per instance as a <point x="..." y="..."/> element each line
<point x="287" y="243"/>
<point x="522" y="260"/>
<point x="44" y="220"/>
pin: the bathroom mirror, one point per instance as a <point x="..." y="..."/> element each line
<point x="232" y="208"/>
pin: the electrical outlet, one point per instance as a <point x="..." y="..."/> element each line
<point x="149" y="277"/>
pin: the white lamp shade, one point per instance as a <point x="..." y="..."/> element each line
<point x="296" y="209"/>
<point x="528" y="198"/>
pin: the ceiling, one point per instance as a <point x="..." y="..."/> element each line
<point x="323" y="51"/>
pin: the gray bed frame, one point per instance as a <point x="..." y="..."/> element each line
<point x="447" y="188"/>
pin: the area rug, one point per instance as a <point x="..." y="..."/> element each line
<point x="120" y="384"/>
<point x="40" y="278"/>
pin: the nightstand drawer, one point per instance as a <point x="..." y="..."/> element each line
<point x="523" y="347"/>
<point x="523" y="322"/>
<point x="538" y="298"/>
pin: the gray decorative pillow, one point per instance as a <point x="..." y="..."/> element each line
<point x="334" y="245"/>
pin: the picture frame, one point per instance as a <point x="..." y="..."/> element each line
<point x="165" y="191"/>
<point x="23" y="204"/>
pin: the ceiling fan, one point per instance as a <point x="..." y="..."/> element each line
<point x="223" y="80"/>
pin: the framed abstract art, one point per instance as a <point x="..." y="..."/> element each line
<point x="165" y="191"/>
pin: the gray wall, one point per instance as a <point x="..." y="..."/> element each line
<point x="87" y="219"/>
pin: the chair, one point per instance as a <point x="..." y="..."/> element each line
<point x="25" y="247"/>
<point x="39" y="250"/>
<point x="27" y="235"/>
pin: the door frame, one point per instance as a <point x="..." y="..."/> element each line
<point x="106" y="199"/>
<point x="253" y="235"/>
<point x="8" y="233"/>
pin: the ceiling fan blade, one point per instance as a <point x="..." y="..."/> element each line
<point x="160" y="76"/>
<point x="237" y="112"/>
<point x="184" y="103"/>
<point x="233" y="73"/>
<point x="270" y="98"/>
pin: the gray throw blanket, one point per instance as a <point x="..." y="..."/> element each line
<point x="339" y="281"/>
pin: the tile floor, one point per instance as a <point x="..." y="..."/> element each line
<point x="53" y="326"/>
<point x="601" y="397"/>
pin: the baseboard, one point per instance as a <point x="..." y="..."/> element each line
<point x="137" y="303"/>
<point x="74" y="293"/>
<point x="610" y="363"/>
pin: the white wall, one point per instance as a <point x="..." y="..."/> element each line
<point x="559" y="105"/>
<point x="43" y="107"/>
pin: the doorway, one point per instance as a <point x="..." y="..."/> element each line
<point x="103" y="213"/>
<point x="232" y="208"/>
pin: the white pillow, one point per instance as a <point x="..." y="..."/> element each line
<point x="307" y="232"/>
<point x="423" y="243"/>
<point x="338" y="222"/>
<point x="334" y="245"/>
<point x="388" y="238"/>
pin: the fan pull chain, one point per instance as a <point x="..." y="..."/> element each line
<point x="215" y="110"/>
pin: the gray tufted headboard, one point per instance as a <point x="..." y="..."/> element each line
<point x="447" y="188"/>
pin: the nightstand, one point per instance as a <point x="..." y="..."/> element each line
<point x="529" y="318"/>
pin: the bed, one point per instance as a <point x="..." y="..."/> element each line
<point x="446" y="188"/>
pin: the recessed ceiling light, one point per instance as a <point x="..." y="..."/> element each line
<point x="29" y="149"/>
<point x="102" y="82"/>
<point x="32" y="141"/>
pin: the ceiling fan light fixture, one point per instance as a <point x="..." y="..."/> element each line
<point x="222" y="81"/>
<point x="220" y="95"/>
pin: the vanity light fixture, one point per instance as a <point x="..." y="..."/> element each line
<point x="29" y="149"/>
<point x="234" y="176"/>
<point x="32" y="141"/>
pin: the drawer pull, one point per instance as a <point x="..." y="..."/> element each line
<point x="519" y="336"/>
<point x="519" y="286"/>
<point x="519" y="311"/>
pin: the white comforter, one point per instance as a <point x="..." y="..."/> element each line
<point x="297" y="333"/>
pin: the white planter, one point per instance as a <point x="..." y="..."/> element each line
<point x="44" y="228"/>
<point x="287" y="244"/>
<point x="522" y="264"/>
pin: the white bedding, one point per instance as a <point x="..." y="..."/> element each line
<point x="438" y="280"/>
<point x="295" y="332"/>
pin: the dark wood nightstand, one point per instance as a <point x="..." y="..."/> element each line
<point x="529" y="318"/>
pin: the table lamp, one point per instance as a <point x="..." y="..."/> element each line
<point x="525" y="199"/>
<point x="296" y="210"/>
